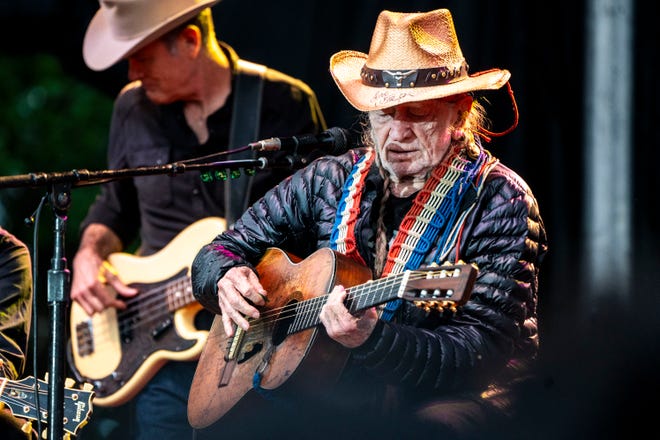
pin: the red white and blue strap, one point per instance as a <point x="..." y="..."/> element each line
<point x="343" y="231"/>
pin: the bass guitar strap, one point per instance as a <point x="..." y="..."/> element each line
<point x="244" y="130"/>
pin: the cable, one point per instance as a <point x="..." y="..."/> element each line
<point x="34" y="220"/>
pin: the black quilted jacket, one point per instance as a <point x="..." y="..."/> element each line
<point x="424" y="355"/>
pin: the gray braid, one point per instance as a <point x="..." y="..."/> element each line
<point x="380" y="257"/>
<point x="381" y="231"/>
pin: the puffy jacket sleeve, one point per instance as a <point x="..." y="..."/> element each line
<point x="296" y="215"/>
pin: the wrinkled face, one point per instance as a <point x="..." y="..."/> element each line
<point x="413" y="138"/>
<point x="165" y="71"/>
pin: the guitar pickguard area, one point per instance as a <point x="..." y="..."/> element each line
<point x="270" y="332"/>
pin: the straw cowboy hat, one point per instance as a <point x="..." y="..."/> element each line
<point x="120" y="27"/>
<point x="412" y="57"/>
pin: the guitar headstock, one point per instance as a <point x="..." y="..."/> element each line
<point x="20" y="397"/>
<point x="441" y="287"/>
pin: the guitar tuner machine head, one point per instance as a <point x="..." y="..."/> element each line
<point x="441" y="272"/>
<point x="438" y="306"/>
<point x="437" y="293"/>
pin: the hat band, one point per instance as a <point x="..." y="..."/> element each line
<point x="404" y="79"/>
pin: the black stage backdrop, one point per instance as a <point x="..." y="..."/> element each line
<point x="598" y="358"/>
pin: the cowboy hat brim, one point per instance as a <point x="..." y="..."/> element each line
<point x="102" y="48"/>
<point x="345" y="67"/>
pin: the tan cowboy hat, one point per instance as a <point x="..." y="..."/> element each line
<point x="121" y="27"/>
<point x="412" y="57"/>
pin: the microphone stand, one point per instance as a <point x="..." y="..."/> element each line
<point x="58" y="294"/>
<point x="58" y="284"/>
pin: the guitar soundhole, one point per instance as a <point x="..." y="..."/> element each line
<point x="250" y="351"/>
<point x="283" y="322"/>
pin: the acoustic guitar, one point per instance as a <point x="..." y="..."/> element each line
<point x="286" y="341"/>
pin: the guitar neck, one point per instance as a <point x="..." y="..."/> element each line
<point x="178" y="293"/>
<point x="358" y="298"/>
<point x="432" y="287"/>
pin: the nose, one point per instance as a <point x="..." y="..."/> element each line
<point x="399" y="128"/>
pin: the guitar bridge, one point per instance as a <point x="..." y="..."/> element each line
<point x="230" y="358"/>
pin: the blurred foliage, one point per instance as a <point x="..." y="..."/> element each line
<point x="49" y="122"/>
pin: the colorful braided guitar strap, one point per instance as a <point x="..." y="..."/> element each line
<point x="435" y="217"/>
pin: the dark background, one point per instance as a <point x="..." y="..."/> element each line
<point x="599" y="349"/>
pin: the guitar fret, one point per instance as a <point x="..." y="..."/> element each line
<point x="179" y="293"/>
<point x="315" y="309"/>
<point x="306" y="316"/>
<point x="306" y="313"/>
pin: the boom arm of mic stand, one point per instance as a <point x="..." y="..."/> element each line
<point x="85" y="177"/>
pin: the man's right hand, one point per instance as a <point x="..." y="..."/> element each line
<point x="239" y="292"/>
<point x="93" y="280"/>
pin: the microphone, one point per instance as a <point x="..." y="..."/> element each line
<point x="332" y="141"/>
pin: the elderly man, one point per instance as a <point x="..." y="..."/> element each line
<point x="422" y="191"/>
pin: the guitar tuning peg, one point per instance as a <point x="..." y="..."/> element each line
<point x="88" y="386"/>
<point x="422" y="305"/>
<point x="46" y="377"/>
<point x="67" y="436"/>
<point x="68" y="382"/>
<point x="44" y="433"/>
<point x="446" y="307"/>
<point x="437" y="293"/>
<point x="27" y="427"/>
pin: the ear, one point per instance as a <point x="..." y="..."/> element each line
<point x="190" y="40"/>
<point x="463" y="106"/>
<point x="465" y="103"/>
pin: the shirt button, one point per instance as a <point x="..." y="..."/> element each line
<point x="195" y="191"/>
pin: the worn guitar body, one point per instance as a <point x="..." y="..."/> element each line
<point x="119" y="351"/>
<point x="287" y="342"/>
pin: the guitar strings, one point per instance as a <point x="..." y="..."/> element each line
<point x="147" y="307"/>
<point x="20" y="388"/>
<point x="151" y="302"/>
<point x="309" y="308"/>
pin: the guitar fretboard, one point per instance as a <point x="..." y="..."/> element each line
<point x="179" y="293"/>
<point x="359" y="298"/>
